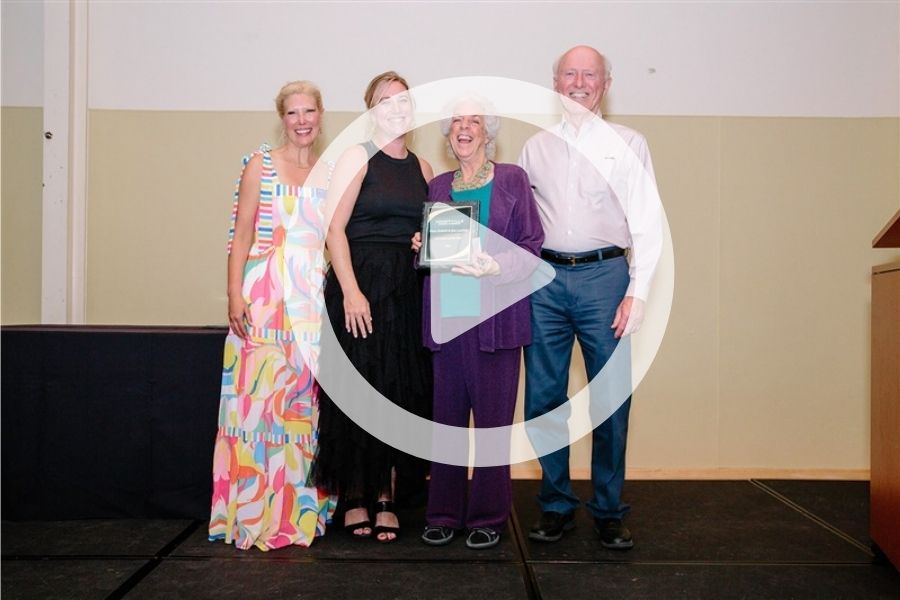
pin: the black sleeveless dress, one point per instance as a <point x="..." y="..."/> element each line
<point x="388" y="211"/>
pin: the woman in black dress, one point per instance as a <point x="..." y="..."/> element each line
<point x="373" y="296"/>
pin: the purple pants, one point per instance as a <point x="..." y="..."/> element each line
<point x="465" y="378"/>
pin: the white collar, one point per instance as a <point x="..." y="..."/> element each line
<point x="568" y="130"/>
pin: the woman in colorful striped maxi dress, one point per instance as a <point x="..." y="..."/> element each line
<point x="262" y="495"/>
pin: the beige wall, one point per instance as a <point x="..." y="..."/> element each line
<point x="765" y="361"/>
<point x="20" y="215"/>
<point x="772" y="222"/>
<point x="795" y="264"/>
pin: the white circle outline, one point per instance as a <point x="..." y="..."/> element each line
<point x="510" y="444"/>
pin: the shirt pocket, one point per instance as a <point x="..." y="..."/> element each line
<point x="596" y="190"/>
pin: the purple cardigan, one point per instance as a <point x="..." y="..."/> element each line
<point x="513" y="215"/>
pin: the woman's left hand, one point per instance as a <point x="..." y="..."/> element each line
<point x="416" y="242"/>
<point x="482" y="265"/>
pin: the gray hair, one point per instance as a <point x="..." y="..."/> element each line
<point x="607" y="66"/>
<point x="489" y="119"/>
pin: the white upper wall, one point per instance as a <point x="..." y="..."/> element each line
<point x="726" y="58"/>
<point x="22" y="42"/>
<point x="756" y="58"/>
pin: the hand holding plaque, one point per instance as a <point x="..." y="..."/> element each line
<point x="481" y="265"/>
<point x="449" y="231"/>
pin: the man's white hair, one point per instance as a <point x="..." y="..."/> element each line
<point x="607" y="66"/>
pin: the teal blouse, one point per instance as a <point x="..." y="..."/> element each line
<point x="461" y="294"/>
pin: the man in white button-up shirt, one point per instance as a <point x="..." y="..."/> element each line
<point x="596" y="193"/>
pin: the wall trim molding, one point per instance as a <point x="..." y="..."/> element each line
<point x="55" y="196"/>
<point x="78" y="163"/>
<point x="529" y="472"/>
<point x="63" y="220"/>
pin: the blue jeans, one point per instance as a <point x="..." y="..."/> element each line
<point x="580" y="303"/>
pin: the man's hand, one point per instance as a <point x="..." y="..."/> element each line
<point x="629" y="316"/>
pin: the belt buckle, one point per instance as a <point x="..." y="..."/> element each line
<point x="573" y="260"/>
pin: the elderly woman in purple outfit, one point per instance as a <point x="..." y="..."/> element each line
<point x="477" y="372"/>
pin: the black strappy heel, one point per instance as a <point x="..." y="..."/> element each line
<point x="380" y="507"/>
<point x="350" y="528"/>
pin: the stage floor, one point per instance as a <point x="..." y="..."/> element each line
<point x="693" y="539"/>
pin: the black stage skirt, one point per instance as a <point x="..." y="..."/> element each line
<point x="350" y="461"/>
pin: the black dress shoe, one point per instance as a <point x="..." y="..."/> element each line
<point x="613" y="534"/>
<point x="551" y="525"/>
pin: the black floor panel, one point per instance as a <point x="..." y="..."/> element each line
<point x="89" y="537"/>
<point x="693" y="539"/>
<point x="843" y="504"/>
<point x="64" y="579"/>
<point x="223" y="579"/>
<point x="696" y="521"/>
<point x="338" y="545"/>
<point x="669" y="581"/>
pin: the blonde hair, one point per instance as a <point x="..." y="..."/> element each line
<point x="378" y="83"/>
<point x="297" y="87"/>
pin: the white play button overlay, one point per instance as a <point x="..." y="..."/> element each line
<point x="472" y="302"/>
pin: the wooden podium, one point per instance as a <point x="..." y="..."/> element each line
<point x="884" y="524"/>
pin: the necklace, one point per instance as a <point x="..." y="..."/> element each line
<point x="481" y="177"/>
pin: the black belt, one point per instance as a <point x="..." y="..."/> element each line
<point x="579" y="258"/>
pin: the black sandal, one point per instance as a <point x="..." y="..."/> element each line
<point x="380" y="507"/>
<point x="350" y="528"/>
<point x="438" y="535"/>
<point x="481" y="538"/>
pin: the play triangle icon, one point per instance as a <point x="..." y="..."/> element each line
<point x="460" y="301"/>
